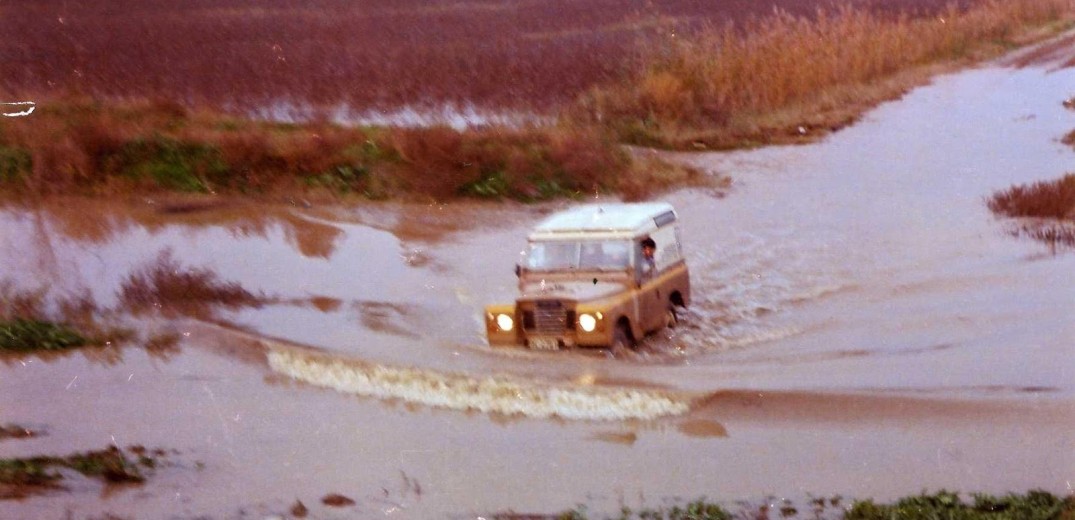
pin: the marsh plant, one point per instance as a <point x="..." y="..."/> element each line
<point x="21" y="477"/>
<point x="942" y="505"/>
<point x="1034" y="505"/>
<point x="25" y="325"/>
<point x="1045" y="209"/>
<point x="25" y="335"/>
<point x="1044" y="199"/>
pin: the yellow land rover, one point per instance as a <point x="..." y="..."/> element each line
<point x="600" y="275"/>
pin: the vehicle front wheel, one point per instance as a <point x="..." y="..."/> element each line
<point x="671" y="317"/>
<point x="621" y="339"/>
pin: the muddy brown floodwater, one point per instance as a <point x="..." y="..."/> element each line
<point x="862" y="326"/>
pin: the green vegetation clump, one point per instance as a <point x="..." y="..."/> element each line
<point x="27" y="472"/>
<point x="25" y="326"/>
<point x="945" y="505"/>
<point x="696" y="510"/>
<point x="26" y="335"/>
<point x="15" y="164"/>
<point x="29" y="326"/>
<point x="111" y="465"/>
<point x="171" y="163"/>
<point x="20" y="477"/>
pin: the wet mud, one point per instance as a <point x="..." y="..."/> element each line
<point x="861" y="326"/>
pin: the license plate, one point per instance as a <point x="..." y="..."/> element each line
<point x="544" y="344"/>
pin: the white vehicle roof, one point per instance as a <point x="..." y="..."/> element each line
<point x="605" y="220"/>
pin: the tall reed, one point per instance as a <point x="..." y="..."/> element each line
<point x="723" y="83"/>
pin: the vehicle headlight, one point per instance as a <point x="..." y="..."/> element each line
<point x="505" y="322"/>
<point x="588" y="322"/>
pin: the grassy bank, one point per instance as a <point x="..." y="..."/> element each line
<point x="25" y="326"/>
<point x="28" y="335"/>
<point x="84" y="146"/>
<point x="1033" y="505"/>
<point x="788" y="78"/>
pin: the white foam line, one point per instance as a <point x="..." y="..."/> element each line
<point x="492" y="394"/>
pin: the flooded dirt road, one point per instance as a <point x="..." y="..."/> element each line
<point x="862" y="326"/>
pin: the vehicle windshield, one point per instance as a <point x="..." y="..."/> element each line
<point x="557" y="255"/>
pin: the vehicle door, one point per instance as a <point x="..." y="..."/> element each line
<point x="651" y="305"/>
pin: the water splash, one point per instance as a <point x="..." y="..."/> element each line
<point x="490" y="394"/>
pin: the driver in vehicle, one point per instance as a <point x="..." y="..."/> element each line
<point x="649" y="264"/>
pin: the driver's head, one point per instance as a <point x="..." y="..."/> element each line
<point x="648" y="247"/>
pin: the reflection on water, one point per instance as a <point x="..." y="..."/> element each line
<point x="702" y="428"/>
<point x="625" y="438"/>
<point x="1058" y="236"/>
<point x="167" y="287"/>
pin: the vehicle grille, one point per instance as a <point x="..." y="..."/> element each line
<point x="548" y="317"/>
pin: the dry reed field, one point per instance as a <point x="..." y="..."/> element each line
<point x="777" y="78"/>
<point x="677" y="74"/>
<point x="500" y="54"/>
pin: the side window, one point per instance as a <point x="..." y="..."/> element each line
<point x="646" y="255"/>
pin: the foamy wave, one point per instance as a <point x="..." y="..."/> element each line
<point x="493" y="394"/>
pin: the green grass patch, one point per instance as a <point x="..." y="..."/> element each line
<point x="27" y="472"/>
<point x="942" y="505"/>
<point x="173" y="164"/>
<point x="29" y="335"/>
<point x="22" y="477"/>
<point x="15" y="163"/>
<point x="945" y="505"/>
<point x="110" y="465"/>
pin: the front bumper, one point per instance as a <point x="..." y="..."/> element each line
<point x="528" y="331"/>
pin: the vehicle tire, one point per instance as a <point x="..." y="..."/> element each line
<point x="671" y="317"/>
<point x="621" y="339"/>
